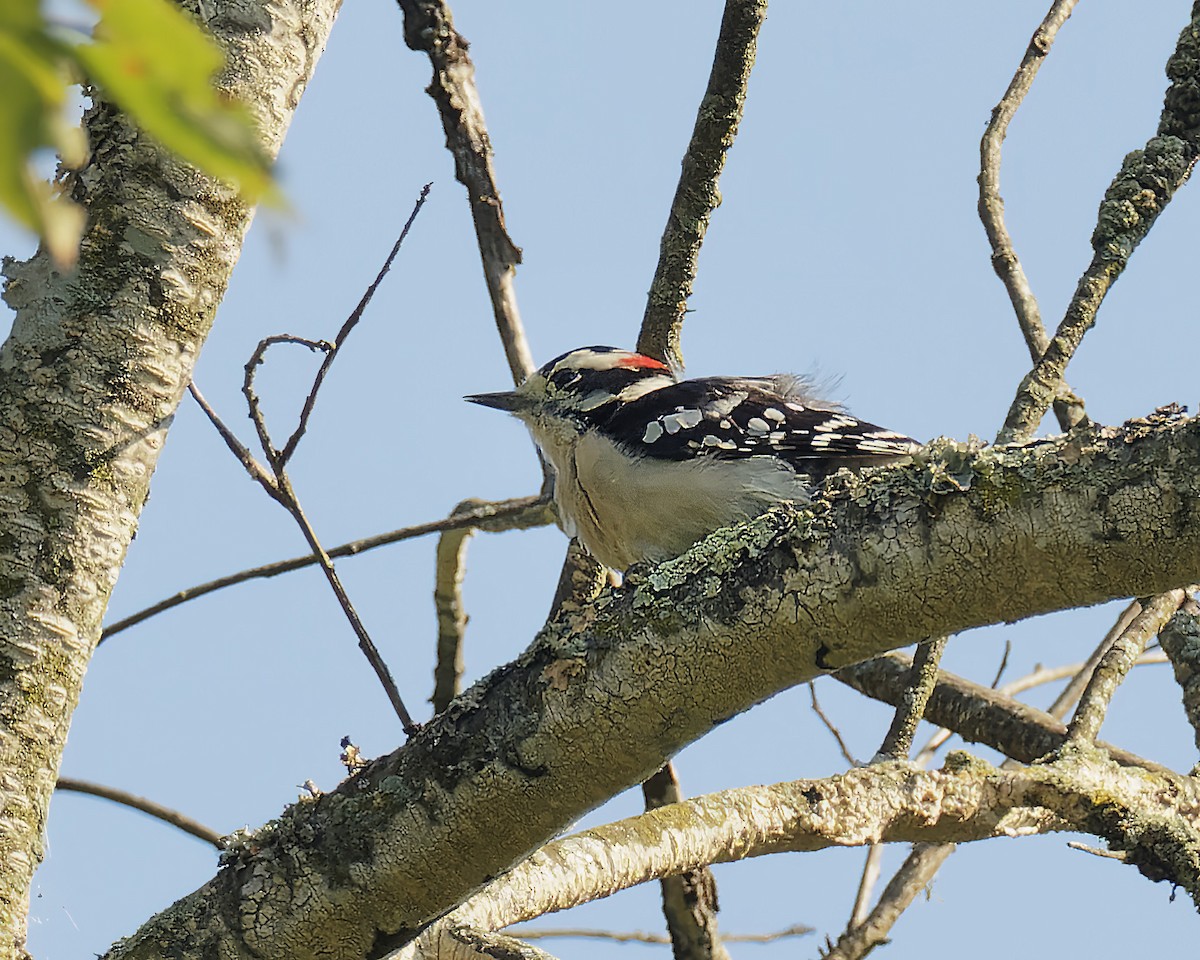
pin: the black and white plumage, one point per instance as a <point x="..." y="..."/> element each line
<point x="646" y="464"/>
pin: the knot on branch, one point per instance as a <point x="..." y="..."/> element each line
<point x="1181" y="104"/>
<point x="1144" y="186"/>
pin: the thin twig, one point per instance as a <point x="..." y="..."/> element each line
<point x="913" y="877"/>
<point x="252" y="365"/>
<point x="1117" y="662"/>
<point x="279" y="486"/>
<point x="546" y="933"/>
<point x="365" y="643"/>
<point x="976" y="713"/>
<point x="1147" y="181"/>
<point x="429" y="29"/>
<point x="872" y="867"/>
<point x="991" y="206"/>
<point x="156" y="810"/>
<point x="689" y="900"/>
<point x="1121" y="855"/>
<point x="830" y="726"/>
<point x="236" y="447"/>
<point x="355" y="315"/>
<point x="519" y="514"/>
<point x="921" y="682"/>
<point x="697" y="194"/>
<point x="1070" y="694"/>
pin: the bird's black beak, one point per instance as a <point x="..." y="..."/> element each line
<point x="507" y="400"/>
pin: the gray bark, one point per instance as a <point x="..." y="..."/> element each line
<point x="960" y="538"/>
<point x="89" y="378"/>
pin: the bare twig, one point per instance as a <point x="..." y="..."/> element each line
<point x="1141" y="190"/>
<point x="256" y="415"/>
<point x="1070" y="694"/>
<point x="976" y="713"/>
<point x="1117" y="662"/>
<point x="1095" y="852"/>
<point x="156" y="810"/>
<point x="916" y="873"/>
<point x="830" y="726"/>
<point x="991" y="206"/>
<point x="280" y="489"/>
<point x="547" y="933"/>
<point x="355" y="315"/>
<point x="921" y="682"/>
<point x="519" y="514"/>
<point x="866" y="886"/>
<point x="236" y="447"/>
<point x="1180" y="640"/>
<point x="429" y="29"/>
<point x="697" y="194"/>
<point x="279" y="486"/>
<point x="689" y="899"/>
<point x="365" y="643"/>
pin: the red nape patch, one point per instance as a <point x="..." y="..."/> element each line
<point x="638" y="361"/>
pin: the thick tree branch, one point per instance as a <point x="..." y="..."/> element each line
<point x="958" y="539"/>
<point x="886" y="802"/>
<point x="94" y="368"/>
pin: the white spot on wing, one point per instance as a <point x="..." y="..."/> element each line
<point x="654" y="430"/>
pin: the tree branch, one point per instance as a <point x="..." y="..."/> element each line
<point x="133" y="801"/>
<point x="1117" y="662"/>
<point x="689" y="898"/>
<point x="429" y="29"/>
<point x="751" y="610"/>
<point x="1005" y="262"/>
<point x="519" y="514"/>
<point x="1141" y="190"/>
<point x="1180" y="640"/>
<point x="886" y="802"/>
<point x="697" y="194"/>
<point x="89" y="386"/>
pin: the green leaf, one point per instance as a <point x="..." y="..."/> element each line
<point x="33" y="78"/>
<point x="157" y="64"/>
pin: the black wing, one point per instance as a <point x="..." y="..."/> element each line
<point x="731" y="417"/>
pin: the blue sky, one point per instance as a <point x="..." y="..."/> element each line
<point x="847" y="245"/>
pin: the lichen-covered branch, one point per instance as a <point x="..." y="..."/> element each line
<point x="689" y="898"/>
<point x="697" y="194"/>
<point x="1141" y="190"/>
<point x="1005" y="262"/>
<point x="1152" y="818"/>
<point x="96" y="363"/>
<point x="1117" y="662"/>
<point x="976" y="713"/>
<point x="959" y="538"/>
<point x="1180" y="640"/>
